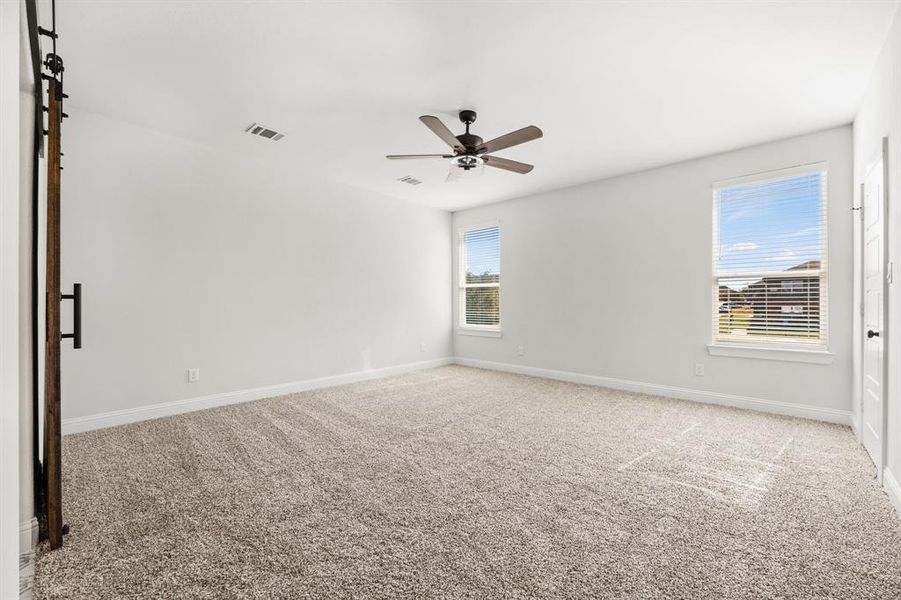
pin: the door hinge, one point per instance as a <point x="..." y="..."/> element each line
<point x="889" y="275"/>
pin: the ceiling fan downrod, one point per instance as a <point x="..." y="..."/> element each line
<point x="470" y="141"/>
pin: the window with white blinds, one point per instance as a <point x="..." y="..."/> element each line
<point x="769" y="259"/>
<point x="480" y="278"/>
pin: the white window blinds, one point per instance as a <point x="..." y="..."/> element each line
<point x="769" y="254"/>
<point x="480" y="278"/>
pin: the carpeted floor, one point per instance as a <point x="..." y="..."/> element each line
<point x="463" y="483"/>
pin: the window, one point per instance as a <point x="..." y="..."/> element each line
<point x="480" y="278"/>
<point x="769" y="260"/>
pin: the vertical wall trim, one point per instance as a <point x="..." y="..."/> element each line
<point x="10" y="23"/>
<point x="893" y="489"/>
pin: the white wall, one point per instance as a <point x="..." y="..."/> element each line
<point x="258" y="274"/>
<point x="613" y="278"/>
<point x="879" y="117"/>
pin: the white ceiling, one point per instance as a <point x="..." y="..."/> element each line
<point x="616" y="86"/>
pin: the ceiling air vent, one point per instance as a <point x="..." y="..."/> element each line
<point x="410" y="180"/>
<point x="265" y="132"/>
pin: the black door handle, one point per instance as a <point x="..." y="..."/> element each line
<point x="75" y="297"/>
<point x="872" y="334"/>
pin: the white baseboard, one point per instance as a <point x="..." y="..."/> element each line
<point x="165" y="409"/>
<point x="28" y="539"/>
<point x="893" y="489"/>
<point x="831" y="415"/>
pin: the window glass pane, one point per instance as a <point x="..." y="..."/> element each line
<point x="774" y="225"/>
<point x="481" y="248"/>
<point x="782" y="307"/>
<point x="482" y="306"/>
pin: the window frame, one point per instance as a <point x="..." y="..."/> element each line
<point x="773" y="347"/>
<point x="462" y="326"/>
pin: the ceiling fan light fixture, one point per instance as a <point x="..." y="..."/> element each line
<point x="456" y="173"/>
<point x="468" y="161"/>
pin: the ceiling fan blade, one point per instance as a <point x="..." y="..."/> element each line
<point x="441" y="130"/>
<point x="408" y="156"/>
<point x="514" y="138"/>
<point x="507" y="164"/>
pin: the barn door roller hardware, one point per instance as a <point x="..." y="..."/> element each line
<point x="54" y="64"/>
<point x="75" y="297"/>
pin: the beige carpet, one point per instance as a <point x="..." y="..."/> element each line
<point x="463" y="483"/>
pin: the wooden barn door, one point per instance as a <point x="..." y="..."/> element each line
<point x="52" y="392"/>
<point x="52" y="464"/>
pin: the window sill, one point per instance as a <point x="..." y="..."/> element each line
<point x="820" y="357"/>
<point x="480" y="332"/>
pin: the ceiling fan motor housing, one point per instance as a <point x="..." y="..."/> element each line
<point x="470" y="141"/>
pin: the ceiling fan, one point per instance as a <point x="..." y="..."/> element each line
<point x="470" y="151"/>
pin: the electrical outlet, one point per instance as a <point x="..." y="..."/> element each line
<point x="193" y="375"/>
<point x="699" y="369"/>
<point x="520" y="350"/>
<point x="422" y="346"/>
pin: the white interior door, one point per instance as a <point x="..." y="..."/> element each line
<point x="872" y="417"/>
